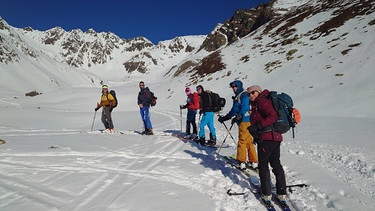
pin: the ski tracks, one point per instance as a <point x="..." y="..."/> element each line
<point x="350" y="165"/>
<point x="84" y="171"/>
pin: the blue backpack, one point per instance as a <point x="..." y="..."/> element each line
<point x="283" y="105"/>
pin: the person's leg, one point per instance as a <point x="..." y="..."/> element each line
<point x="278" y="170"/>
<point x="210" y="123"/>
<point x="203" y="123"/>
<point x="242" y="143"/>
<point x="250" y="147"/>
<point x="194" y="124"/>
<point x="142" y="112"/>
<point x="188" y="121"/>
<point x="147" y="117"/>
<point x="264" y="154"/>
<point x="108" y="115"/>
<point x="104" y="119"/>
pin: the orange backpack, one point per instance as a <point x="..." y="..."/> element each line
<point x="296" y="115"/>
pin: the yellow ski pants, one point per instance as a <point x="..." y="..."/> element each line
<point x="245" y="144"/>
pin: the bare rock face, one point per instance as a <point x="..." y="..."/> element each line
<point x="241" y="24"/>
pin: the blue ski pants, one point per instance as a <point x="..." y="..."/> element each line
<point x="145" y="115"/>
<point x="207" y="120"/>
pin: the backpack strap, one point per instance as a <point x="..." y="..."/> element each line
<point x="238" y="99"/>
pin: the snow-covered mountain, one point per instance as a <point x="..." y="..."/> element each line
<point x="309" y="41"/>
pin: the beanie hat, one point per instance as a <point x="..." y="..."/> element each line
<point x="187" y="90"/>
<point x="104" y="87"/>
<point x="254" y="88"/>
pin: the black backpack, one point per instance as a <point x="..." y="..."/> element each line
<point x="153" y="99"/>
<point x="216" y="103"/>
<point x="113" y="93"/>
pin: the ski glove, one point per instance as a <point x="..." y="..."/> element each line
<point x="110" y="109"/>
<point x="237" y="119"/>
<point x="255" y="130"/>
<point x="97" y="108"/>
<point x="224" y="118"/>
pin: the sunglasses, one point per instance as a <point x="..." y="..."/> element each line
<point x="234" y="87"/>
<point x="253" y="92"/>
<point x="141" y="85"/>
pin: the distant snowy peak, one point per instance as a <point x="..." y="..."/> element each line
<point x="12" y="46"/>
<point x="91" y="49"/>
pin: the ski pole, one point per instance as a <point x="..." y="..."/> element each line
<point x="226" y="136"/>
<point x="181" y="122"/>
<point x="92" y="126"/>
<point x="229" y="132"/>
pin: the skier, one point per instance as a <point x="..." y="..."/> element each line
<point x="144" y="98"/>
<point x="207" y="118"/>
<point x="263" y="115"/>
<point x="107" y="101"/>
<point x="191" y="113"/>
<point x="241" y="116"/>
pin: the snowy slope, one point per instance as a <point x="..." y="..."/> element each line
<point x="52" y="161"/>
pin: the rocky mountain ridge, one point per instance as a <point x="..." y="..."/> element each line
<point x="89" y="49"/>
<point x="195" y="56"/>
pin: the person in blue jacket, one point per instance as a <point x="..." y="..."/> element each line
<point x="241" y="116"/>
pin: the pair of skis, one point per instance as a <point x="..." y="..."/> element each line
<point x="256" y="189"/>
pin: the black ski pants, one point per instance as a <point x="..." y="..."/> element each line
<point x="269" y="153"/>
<point x="190" y="120"/>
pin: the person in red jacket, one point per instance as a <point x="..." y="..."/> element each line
<point x="191" y="114"/>
<point x="263" y="115"/>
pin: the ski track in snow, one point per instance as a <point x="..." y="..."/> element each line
<point x="43" y="181"/>
<point x="345" y="163"/>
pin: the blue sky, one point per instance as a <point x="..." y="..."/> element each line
<point x="155" y="20"/>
